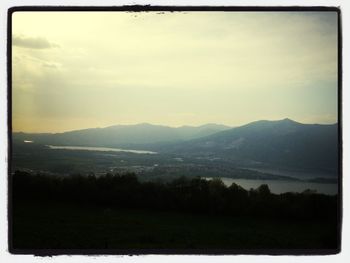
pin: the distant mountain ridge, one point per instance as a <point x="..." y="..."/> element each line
<point x="119" y="135"/>
<point x="283" y="143"/>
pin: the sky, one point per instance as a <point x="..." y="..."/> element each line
<point x="76" y="70"/>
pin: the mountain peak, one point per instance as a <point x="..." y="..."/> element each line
<point x="287" y="120"/>
<point x="214" y="125"/>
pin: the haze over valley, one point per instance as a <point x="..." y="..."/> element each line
<point x="282" y="150"/>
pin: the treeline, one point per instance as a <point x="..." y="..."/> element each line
<point x="184" y="195"/>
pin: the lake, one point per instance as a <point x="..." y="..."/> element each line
<point x="296" y="174"/>
<point x="99" y="149"/>
<point x="277" y="186"/>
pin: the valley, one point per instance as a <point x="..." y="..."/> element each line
<point x="284" y="151"/>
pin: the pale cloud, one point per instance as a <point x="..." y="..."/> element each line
<point x="173" y="68"/>
<point x="32" y="42"/>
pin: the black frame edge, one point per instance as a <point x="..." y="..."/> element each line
<point x="155" y="8"/>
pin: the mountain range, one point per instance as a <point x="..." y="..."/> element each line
<point x="123" y="135"/>
<point x="283" y="143"/>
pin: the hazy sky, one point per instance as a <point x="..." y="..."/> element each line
<point x="75" y="70"/>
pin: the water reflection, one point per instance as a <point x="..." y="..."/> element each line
<point x="101" y="149"/>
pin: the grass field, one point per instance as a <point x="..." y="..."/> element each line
<point x="68" y="226"/>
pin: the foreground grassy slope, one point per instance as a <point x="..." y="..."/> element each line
<point x="66" y="226"/>
<point x="119" y="212"/>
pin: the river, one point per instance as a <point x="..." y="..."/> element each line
<point x="100" y="149"/>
